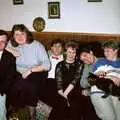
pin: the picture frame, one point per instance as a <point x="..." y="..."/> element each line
<point x="53" y="10"/>
<point x="18" y="2"/>
<point x="94" y="0"/>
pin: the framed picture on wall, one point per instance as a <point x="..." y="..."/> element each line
<point x="53" y="10"/>
<point x="94" y="0"/>
<point x="18" y="2"/>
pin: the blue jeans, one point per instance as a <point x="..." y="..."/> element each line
<point x="3" y="107"/>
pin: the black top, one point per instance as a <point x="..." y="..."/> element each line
<point x="68" y="73"/>
<point x="7" y="71"/>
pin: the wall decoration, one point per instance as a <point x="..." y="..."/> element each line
<point x="18" y="2"/>
<point x="94" y="0"/>
<point x="38" y="24"/>
<point x="53" y="10"/>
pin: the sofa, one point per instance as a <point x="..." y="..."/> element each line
<point x="95" y="39"/>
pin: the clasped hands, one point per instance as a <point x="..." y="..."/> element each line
<point x="64" y="94"/>
<point x="26" y="73"/>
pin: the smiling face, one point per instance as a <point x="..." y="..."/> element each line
<point x="70" y="54"/>
<point x="110" y="53"/>
<point x="87" y="58"/>
<point x="20" y="37"/>
<point x="57" y="49"/>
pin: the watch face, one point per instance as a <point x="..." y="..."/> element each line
<point x="38" y="24"/>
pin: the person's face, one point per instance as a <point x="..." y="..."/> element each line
<point x="20" y="37"/>
<point x="70" y="54"/>
<point x="57" y="49"/>
<point x="87" y="58"/>
<point x="110" y="53"/>
<point x="3" y="41"/>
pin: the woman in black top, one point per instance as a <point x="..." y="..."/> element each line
<point x="67" y="75"/>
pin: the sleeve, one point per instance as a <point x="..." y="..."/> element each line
<point x="11" y="66"/>
<point x="11" y="74"/>
<point x="78" y="73"/>
<point x="9" y="46"/>
<point x="84" y="78"/>
<point x="43" y="58"/>
<point x="98" y="64"/>
<point x="58" y="76"/>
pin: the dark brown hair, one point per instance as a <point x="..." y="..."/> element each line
<point x="21" y="28"/>
<point x="111" y="44"/>
<point x="57" y="41"/>
<point x="73" y="44"/>
<point x="2" y="32"/>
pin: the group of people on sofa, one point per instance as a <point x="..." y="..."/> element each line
<point x="58" y="77"/>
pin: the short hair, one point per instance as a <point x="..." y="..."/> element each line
<point x="22" y="28"/>
<point x="2" y="32"/>
<point x="110" y="44"/>
<point x="95" y="47"/>
<point x="85" y="48"/>
<point x="57" y="41"/>
<point x="73" y="44"/>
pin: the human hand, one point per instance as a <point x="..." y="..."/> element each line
<point x="86" y="92"/>
<point x="65" y="96"/>
<point x="116" y="80"/>
<point x="26" y="73"/>
<point x="68" y="104"/>
<point x="61" y="92"/>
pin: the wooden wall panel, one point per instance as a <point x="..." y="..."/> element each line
<point x="47" y="37"/>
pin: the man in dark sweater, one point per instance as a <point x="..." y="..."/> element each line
<point x="7" y="72"/>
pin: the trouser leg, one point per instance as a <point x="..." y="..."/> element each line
<point x="2" y="107"/>
<point x="88" y="110"/>
<point x="103" y="106"/>
<point x="116" y="103"/>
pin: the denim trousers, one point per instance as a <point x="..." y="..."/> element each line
<point x="3" y="107"/>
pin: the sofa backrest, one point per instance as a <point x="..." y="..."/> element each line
<point x="47" y="37"/>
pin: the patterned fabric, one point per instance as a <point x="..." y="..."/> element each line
<point x="42" y="111"/>
<point x="104" y="61"/>
<point x="22" y="114"/>
<point x="14" y="116"/>
<point x="68" y="73"/>
<point x="107" y="64"/>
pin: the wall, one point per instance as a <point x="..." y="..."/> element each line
<point x="76" y="15"/>
<point x="47" y="37"/>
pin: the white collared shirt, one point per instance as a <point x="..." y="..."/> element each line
<point x="1" y="54"/>
<point x="54" y="62"/>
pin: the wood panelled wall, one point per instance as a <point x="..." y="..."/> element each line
<point x="47" y="37"/>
